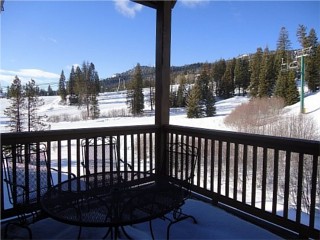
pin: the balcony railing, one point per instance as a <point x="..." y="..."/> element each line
<point x="265" y="179"/>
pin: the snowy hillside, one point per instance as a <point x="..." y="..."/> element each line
<point x="111" y="102"/>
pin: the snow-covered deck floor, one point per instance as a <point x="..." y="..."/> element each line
<point x="213" y="223"/>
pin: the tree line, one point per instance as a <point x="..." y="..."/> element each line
<point x="262" y="74"/>
<point x="265" y="73"/>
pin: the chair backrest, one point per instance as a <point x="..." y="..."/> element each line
<point x="182" y="161"/>
<point x="99" y="155"/>
<point x="26" y="173"/>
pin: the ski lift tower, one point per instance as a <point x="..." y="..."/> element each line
<point x="301" y="53"/>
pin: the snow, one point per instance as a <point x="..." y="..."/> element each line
<point x="212" y="222"/>
<point x="115" y="102"/>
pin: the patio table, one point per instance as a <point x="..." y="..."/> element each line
<point x="112" y="199"/>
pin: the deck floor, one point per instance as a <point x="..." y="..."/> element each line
<point x="213" y="223"/>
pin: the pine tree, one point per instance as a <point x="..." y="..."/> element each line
<point x="302" y="36"/>
<point x="267" y="76"/>
<point x="312" y="66"/>
<point x="62" y="87"/>
<point x="94" y="107"/>
<point x="182" y="91"/>
<point x="87" y="88"/>
<point x="241" y="74"/>
<point x="135" y="97"/>
<point x="227" y="81"/>
<point x="50" y="91"/>
<point x="206" y="94"/>
<point x="292" y="93"/>
<point x="286" y="87"/>
<point x="79" y="86"/>
<point x="15" y="111"/>
<point x="34" y="122"/>
<point x="217" y="72"/>
<point x="255" y="67"/>
<point x="73" y="99"/>
<point x="284" y="42"/>
<point x="194" y="108"/>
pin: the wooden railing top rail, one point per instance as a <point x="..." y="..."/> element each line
<point x="281" y="143"/>
<point x="65" y="134"/>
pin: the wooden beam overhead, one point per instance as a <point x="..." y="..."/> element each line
<point x="155" y="3"/>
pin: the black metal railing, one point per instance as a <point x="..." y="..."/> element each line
<point x="273" y="179"/>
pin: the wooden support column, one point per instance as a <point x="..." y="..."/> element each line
<point x="163" y="49"/>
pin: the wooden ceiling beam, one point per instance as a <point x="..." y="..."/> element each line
<point x="155" y="3"/>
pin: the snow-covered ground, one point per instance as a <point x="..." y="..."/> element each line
<point x="111" y="102"/>
<point x="215" y="223"/>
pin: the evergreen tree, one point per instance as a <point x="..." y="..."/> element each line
<point x="227" y="81"/>
<point x="267" y="74"/>
<point x="62" y="91"/>
<point x="282" y="59"/>
<point x="50" y="91"/>
<point x="286" y="87"/>
<point x="284" y="42"/>
<point x="173" y="97"/>
<point x="86" y="88"/>
<point x="312" y="66"/>
<point x="182" y="91"/>
<point x="302" y="36"/>
<point x="135" y="97"/>
<point x="79" y="86"/>
<point x="194" y="107"/>
<point x="255" y="66"/>
<point x="241" y="74"/>
<point x="292" y="93"/>
<point x="94" y="108"/>
<point x="217" y="72"/>
<point x="34" y="122"/>
<point x="151" y="93"/>
<point x="73" y="99"/>
<point x="15" y="111"/>
<point x="206" y="95"/>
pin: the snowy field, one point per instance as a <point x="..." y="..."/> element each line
<point x="111" y="102"/>
<point x="116" y="102"/>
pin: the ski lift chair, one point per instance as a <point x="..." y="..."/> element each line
<point x="101" y="155"/>
<point x="27" y="175"/>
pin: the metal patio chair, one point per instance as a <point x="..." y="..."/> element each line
<point x="182" y="160"/>
<point x="168" y="193"/>
<point x="101" y="155"/>
<point x="27" y="176"/>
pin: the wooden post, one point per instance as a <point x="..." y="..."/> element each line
<point x="163" y="49"/>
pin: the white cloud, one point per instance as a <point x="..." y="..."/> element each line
<point x="127" y="8"/>
<point x="75" y="65"/>
<point x="193" y="3"/>
<point x="25" y="75"/>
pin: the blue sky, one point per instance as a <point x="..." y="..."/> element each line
<point x="41" y="38"/>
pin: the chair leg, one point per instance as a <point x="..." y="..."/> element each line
<point x="178" y="216"/>
<point x="79" y="234"/>
<point x="18" y="225"/>
<point x="151" y="229"/>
